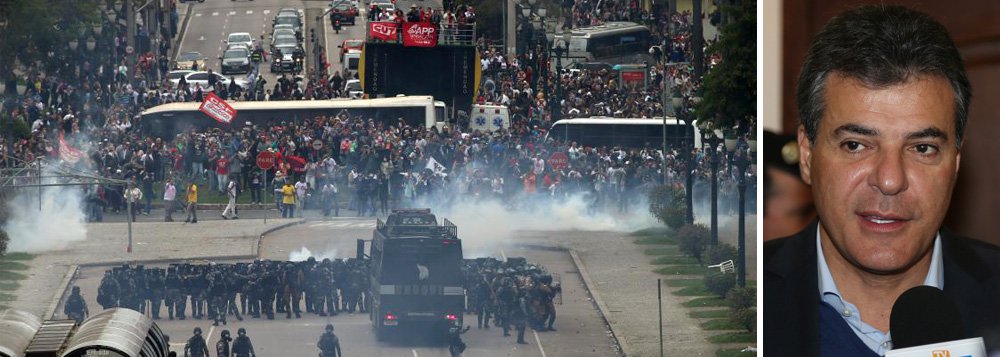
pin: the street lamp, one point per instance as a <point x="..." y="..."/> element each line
<point x="743" y="159"/>
<point x="713" y="140"/>
<point x="562" y="45"/>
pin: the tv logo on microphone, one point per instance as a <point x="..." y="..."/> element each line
<point x="944" y="353"/>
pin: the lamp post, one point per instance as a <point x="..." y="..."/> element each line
<point x="562" y="44"/>
<point x="713" y="140"/>
<point x="742" y="161"/>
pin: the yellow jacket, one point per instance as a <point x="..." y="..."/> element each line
<point x="288" y="194"/>
<point x="192" y="194"/>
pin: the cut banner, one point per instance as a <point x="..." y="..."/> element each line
<point x="217" y="108"/>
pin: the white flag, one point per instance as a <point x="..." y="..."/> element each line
<point x="434" y="166"/>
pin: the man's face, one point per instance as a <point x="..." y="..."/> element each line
<point x="882" y="169"/>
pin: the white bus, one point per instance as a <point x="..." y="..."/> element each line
<point x="169" y="119"/>
<point x="625" y="132"/>
<point x="612" y="42"/>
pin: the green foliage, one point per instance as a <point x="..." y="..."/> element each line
<point x="741" y="307"/>
<point x="730" y="87"/>
<point x="719" y="283"/>
<point x="667" y="204"/>
<point x="707" y="301"/>
<point x="35" y="27"/>
<point x="720" y="253"/>
<point x="693" y="239"/>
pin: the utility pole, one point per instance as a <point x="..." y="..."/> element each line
<point x="130" y="37"/>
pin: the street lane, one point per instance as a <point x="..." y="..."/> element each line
<point x="581" y="332"/>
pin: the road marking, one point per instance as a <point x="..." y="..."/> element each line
<point x="201" y="38"/>
<point x="197" y="14"/>
<point x="231" y="13"/>
<point x="539" y="342"/>
<point x="267" y="12"/>
<point x="215" y="14"/>
<point x="249" y="12"/>
<point x="414" y="353"/>
<point x="210" y="330"/>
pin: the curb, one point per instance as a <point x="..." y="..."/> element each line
<point x="181" y="32"/>
<point x="260" y="239"/>
<point x="601" y="307"/>
<point x="57" y="298"/>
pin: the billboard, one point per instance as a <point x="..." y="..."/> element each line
<point x="448" y="73"/>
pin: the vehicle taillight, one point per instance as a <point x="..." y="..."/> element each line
<point x="450" y="317"/>
<point x="390" y="316"/>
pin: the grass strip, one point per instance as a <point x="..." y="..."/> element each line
<point x="720" y="324"/>
<point x="708" y="301"/>
<point x="681" y="270"/>
<point x="709" y="314"/>
<point x="734" y="337"/>
<point x="733" y="352"/>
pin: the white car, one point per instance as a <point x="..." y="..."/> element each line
<point x="353" y="89"/>
<point x="201" y="78"/>
<point x="385" y="5"/>
<point x="175" y="75"/>
<point x="240" y="39"/>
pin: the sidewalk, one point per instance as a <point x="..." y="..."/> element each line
<point x="106" y="243"/>
<point x="623" y="279"/>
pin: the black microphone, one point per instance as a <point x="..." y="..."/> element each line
<point x="923" y="315"/>
<point x="924" y="322"/>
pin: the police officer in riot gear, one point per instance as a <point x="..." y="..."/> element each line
<point x="222" y="347"/>
<point x="242" y="347"/>
<point x="76" y="307"/>
<point x="196" y="346"/>
<point x="329" y="343"/>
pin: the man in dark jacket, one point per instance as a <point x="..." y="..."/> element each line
<point x="883" y="99"/>
<point x="329" y="344"/>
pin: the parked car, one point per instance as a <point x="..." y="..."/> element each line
<point x="186" y="59"/>
<point x="201" y="78"/>
<point x="240" y="39"/>
<point x="350" y="44"/>
<point x="236" y="59"/>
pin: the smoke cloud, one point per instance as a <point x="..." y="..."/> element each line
<point x="304" y="253"/>
<point x="55" y="226"/>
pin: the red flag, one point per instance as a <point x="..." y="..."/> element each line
<point x="419" y="34"/>
<point x="217" y="108"/>
<point x="385" y="31"/>
<point x="68" y="153"/>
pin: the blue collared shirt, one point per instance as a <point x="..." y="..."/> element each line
<point x="875" y="340"/>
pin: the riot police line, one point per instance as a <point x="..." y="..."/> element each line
<point x="257" y="289"/>
<point x="513" y="293"/>
<point x="329" y="287"/>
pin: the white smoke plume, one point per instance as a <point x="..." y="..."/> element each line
<point x="55" y="226"/>
<point x="304" y="253"/>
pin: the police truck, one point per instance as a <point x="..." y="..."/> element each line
<point x="416" y="275"/>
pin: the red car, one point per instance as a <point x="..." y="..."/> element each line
<point x="350" y="44"/>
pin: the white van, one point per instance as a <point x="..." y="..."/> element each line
<point x="352" y="61"/>
<point x="489" y="117"/>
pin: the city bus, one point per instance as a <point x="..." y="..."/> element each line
<point x="168" y="120"/>
<point x="612" y="42"/>
<point x="416" y="275"/>
<point x="625" y="132"/>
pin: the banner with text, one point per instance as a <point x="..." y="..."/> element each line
<point x="218" y="109"/>
<point x="419" y="34"/>
<point x="385" y="31"/>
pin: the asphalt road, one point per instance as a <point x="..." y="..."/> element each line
<point x="211" y="22"/>
<point x="581" y="332"/>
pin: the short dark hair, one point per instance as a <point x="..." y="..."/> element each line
<point x="881" y="46"/>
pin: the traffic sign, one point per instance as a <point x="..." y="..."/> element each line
<point x="129" y="49"/>
<point x="265" y="160"/>
<point x="559" y="160"/>
<point x="318" y="144"/>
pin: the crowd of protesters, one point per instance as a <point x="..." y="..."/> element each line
<point x="381" y="165"/>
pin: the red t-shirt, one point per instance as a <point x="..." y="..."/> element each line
<point x="222" y="167"/>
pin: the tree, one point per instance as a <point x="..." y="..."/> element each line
<point x="741" y="307"/>
<point x="666" y="203"/>
<point x="730" y="88"/>
<point x="33" y="28"/>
